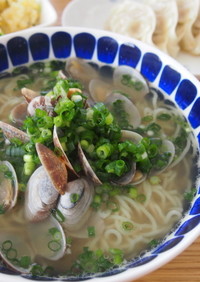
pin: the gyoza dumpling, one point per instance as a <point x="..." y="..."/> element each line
<point x="132" y="19"/>
<point x="164" y="36"/>
<point x="196" y="33"/>
<point x="188" y="13"/>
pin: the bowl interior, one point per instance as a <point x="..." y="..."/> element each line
<point x="160" y="70"/>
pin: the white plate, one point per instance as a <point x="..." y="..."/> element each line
<point x="94" y="13"/>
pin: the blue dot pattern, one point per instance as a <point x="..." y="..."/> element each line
<point x="188" y="225"/>
<point x="84" y="45"/>
<point x="185" y="94"/>
<point x="196" y="207"/>
<point x="61" y="44"/>
<point x="107" y="49"/>
<point x="40" y="46"/>
<point x="194" y="115"/>
<point x="169" y="79"/>
<point x="151" y="66"/>
<point x="3" y="58"/>
<point x="168" y="245"/>
<point x="19" y="46"/>
<point x="129" y="55"/>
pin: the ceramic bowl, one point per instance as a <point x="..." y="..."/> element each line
<point x="163" y="72"/>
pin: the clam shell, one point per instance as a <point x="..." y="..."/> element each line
<point x="12" y="132"/>
<point x="76" y="214"/>
<point x="8" y="187"/>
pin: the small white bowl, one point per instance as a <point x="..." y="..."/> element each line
<point x="48" y="14"/>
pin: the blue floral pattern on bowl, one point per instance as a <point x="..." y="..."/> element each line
<point x="60" y="43"/>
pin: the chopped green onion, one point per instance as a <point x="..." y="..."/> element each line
<point x="91" y="231"/>
<point x="28" y="158"/>
<point x="116" y="167"/>
<point x="133" y="192"/>
<point x="54" y="245"/>
<point x="55" y="233"/>
<point x="74" y="197"/>
<point x="164" y="117"/>
<point x="58" y="215"/>
<point x="69" y="240"/>
<point x="3" y="168"/>
<point x="117" y="259"/>
<point x="2" y="209"/>
<point x="109" y="119"/>
<point x="153" y="243"/>
<point x="8" y="174"/>
<point x="188" y="196"/>
<point x="25" y="262"/>
<point x="84" y="144"/>
<point x="141" y="198"/>
<point x="29" y="168"/>
<point x="127" y="225"/>
<point x="154" y="180"/>
<point x="7" y="245"/>
<point x="113" y="206"/>
<point x="22" y="187"/>
<point x="37" y="270"/>
<point x="104" y="151"/>
<point x="115" y="251"/>
<point x="148" y="118"/>
<point x="58" y="121"/>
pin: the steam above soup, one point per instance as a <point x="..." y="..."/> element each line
<point x="95" y="165"/>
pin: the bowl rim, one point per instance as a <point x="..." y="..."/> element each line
<point x="139" y="271"/>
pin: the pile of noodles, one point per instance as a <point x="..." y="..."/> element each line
<point x="151" y="220"/>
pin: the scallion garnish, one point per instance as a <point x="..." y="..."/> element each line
<point x="55" y="233"/>
<point x="54" y="245"/>
<point x="141" y="198"/>
<point x="58" y="215"/>
<point x="74" y="197"/>
<point x="7" y="245"/>
<point x="164" y="117"/>
<point x="2" y="209"/>
<point x="113" y="206"/>
<point x="25" y="262"/>
<point x="127" y="226"/>
<point x="91" y="231"/>
<point x="37" y="270"/>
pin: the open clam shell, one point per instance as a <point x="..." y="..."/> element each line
<point x="40" y="197"/>
<point x="130" y="81"/>
<point x="99" y="90"/>
<point x="10" y="132"/>
<point x="41" y="102"/>
<point x="8" y="186"/>
<point x="29" y="94"/>
<point x="87" y="167"/>
<point x="45" y="185"/>
<point x="80" y="70"/>
<point x="24" y="242"/>
<point x="132" y="113"/>
<point x="54" y="167"/>
<point x="76" y="211"/>
<point x="19" y="113"/>
<point x="58" y="145"/>
<point x="51" y="244"/>
<point x="133" y="176"/>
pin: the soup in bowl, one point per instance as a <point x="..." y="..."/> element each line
<point x="99" y="156"/>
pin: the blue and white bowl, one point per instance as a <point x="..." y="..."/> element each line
<point x="161" y="70"/>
